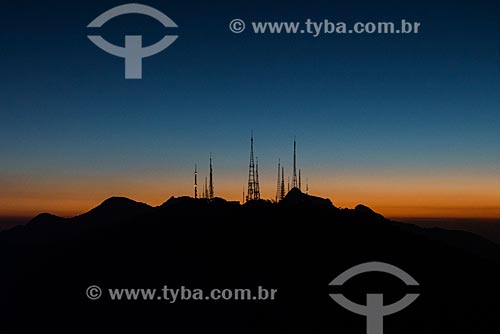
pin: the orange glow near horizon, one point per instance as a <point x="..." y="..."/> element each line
<point x="439" y="196"/>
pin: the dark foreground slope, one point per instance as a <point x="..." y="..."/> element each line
<point x="296" y="247"/>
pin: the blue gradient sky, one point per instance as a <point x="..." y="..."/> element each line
<point x="371" y="113"/>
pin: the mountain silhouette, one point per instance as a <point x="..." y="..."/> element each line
<point x="115" y="209"/>
<point x="297" y="246"/>
<point x="295" y="198"/>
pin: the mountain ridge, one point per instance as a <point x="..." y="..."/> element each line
<point x="297" y="247"/>
<point x="117" y="210"/>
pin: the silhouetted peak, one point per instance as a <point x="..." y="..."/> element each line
<point x="117" y="202"/>
<point x="44" y="218"/>
<point x="115" y="208"/>
<point x="294" y="192"/>
<point x="364" y="210"/>
<point x="295" y="197"/>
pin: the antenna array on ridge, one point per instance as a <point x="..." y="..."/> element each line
<point x="253" y="191"/>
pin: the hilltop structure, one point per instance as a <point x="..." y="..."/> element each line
<point x="253" y="186"/>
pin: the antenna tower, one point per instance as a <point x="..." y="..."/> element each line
<point x="253" y="192"/>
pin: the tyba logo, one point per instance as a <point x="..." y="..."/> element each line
<point x="133" y="52"/>
<point x="374" y="310"/>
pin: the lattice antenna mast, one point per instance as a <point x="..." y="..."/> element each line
<point x="195" y="182"/>
<point x="278" y="183"/>
<point x="251" y="192"/>
<point x="282" y="193"/>
<point x="256" y="188"/>
<point x="211" y="184"/>
<point x="300" y="182"/>
<point x="294" y="177"/>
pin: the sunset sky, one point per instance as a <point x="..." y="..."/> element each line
<point x="406" y="124"/>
